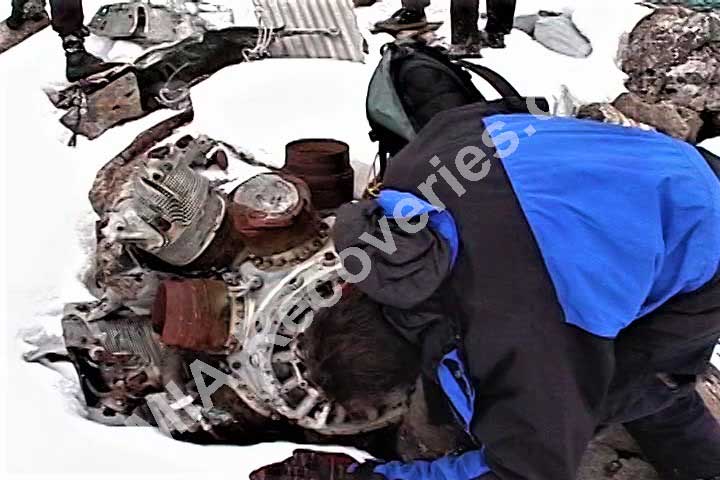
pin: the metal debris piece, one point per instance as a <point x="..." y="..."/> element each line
<point x="116" y="359"/>
<point x="171" y="211"/>
<point x="313" y="28"/>
<point x="110" y="178"/>
<point x="94" y="109"/>
<point x="146" y="22"/>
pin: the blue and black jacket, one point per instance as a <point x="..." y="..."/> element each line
<point x="568" y="266"/>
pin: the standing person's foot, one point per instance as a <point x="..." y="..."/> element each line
<point x="81" y="64"/>
<point x="22" y="14"/>
<point x="492" y="40"/>
<point x="16" y="20"/>
<point x="467" y="50"/>
<point x="403" y="19"/>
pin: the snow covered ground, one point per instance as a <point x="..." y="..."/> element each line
<point x="47" y="220"/>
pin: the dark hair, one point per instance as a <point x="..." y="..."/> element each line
<point x="355" y="355"/>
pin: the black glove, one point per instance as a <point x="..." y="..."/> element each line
<point x="311" y="465"/>
<point x="364" y="471"/>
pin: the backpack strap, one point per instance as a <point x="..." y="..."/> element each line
<point x="497" y="81"/>
<point x="510" y="99"/>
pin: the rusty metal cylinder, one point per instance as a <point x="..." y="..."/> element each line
<point x="267" y="229"/>
<point x="192" y="314"/>
<point x="324" y="164"/>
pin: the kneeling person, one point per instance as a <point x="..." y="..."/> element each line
<point x="556" y="275"/>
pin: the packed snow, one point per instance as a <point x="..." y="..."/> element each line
<point x="259" y="106"/>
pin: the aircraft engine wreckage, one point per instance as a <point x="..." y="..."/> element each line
<point x="162" y="76"/>
<point x="211" y="278"/>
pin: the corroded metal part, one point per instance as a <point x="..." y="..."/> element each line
<point x="243" y="314"/>
<point x="192" y="314"/>
<point x="171" y="210"/>
<point x="117" y="360"/>
<point x="94" y="109"/>
<point x="273" y="213"/>
<point x="268" y="193"/>
<point x="110" y="179"/>
<point x="324" y="164"/>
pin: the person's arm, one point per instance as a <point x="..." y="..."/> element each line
<point x="535" y="404"/>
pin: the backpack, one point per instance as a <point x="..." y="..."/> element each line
<point x="413" y="82"/>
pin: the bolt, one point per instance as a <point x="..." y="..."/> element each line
<point x="613" y="467"/>
<point x="329" y="259"/>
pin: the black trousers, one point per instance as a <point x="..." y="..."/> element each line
<point x="657" y="361"/>
<point x="682" y="441"/>
<point x="67" y="15"/>
<point x="464" y="16"/>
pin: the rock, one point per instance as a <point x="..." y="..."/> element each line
<point x="672" y="57"/>
<point x="677" y="121"/>
<point x="607" y="113"/>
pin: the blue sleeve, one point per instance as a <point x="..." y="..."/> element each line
<point x="440" y="220"/>
<point x="466" y="466"/>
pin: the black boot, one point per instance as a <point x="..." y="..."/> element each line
<point x="492" y="40"/>
<point x="16" y="18"/>
<point x="80" y="64"/>
<point x="24" y="11"/>
<point x="403" y="19"/>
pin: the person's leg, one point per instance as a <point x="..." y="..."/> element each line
<point x="67" y="16"/>
<point x="68" y="21"/>
<point x="464" y="16"/>
<point x="416" y="4"/>
<point x="681" y="441"/>
<point x="658" y="359"/>
<point x="501" y="14"/>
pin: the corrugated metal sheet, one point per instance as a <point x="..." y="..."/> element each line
<point x="346" y="43"/>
